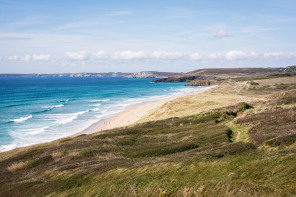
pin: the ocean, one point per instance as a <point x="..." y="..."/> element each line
<point x="34" y="110"/>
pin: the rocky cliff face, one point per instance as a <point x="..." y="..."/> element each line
<point x="183" y="79"/>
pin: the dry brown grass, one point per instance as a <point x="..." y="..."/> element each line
<point x="221" y="96"/>
<point x="73" y="154"/>
<point x="285" y="80"/>
<point x="57" y="154"/>
<point x="17" y="166"/>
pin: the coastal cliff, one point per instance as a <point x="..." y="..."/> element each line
<point x="142" y="74"/>
<point x="205" y="77"/>
<point x="183" y="79"/>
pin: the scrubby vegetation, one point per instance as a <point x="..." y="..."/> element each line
<point x="196" y="155"/>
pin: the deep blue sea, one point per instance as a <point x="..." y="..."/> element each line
<point x="41" y="109"/>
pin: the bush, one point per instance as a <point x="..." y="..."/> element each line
<point x="254" y="83"/>
<point x="126" y="141"/>
<point x="164" y="150"/>
<point x="91" y="153"/>
<point x="229" y="134"/>
<point x="285" y="140"/>
<point x="42" y="160"/>
<point x="71" y="182"/>
<point x="245" y="105"/>
<point x="232" y="149"/>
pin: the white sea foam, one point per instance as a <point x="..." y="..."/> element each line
<point x="96" y="105"/>
<point x="95" y="109"/>
<point x="54" y="106"/>
<point x="22" y="119"/>
<point x="66" y="118"/>
<point x="102" y="100"/>
<point x="64" y="101"/>
<point x="8" y="147"/>
<point x="36" y="131"/>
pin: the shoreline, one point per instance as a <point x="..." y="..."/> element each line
<point x="132" y="114"/>
<point x="127" y="117"/>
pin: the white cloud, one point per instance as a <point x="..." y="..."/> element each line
<point x="195" y="56"/>
<point x="215" y="55"/>
<point x="81" y="55"/>
<point x="41" y="57"/>
<point x="100" y="55"/>
<point x="233" y="55"/>
<point x="26" y="58"/>
<point x="280" y="54"/>
<point x="127" y="55"/>
<point x="222" y="33"/>
<point x="166" y="55"/>
<point x="14" y="58"/>
<point x="276" y="54"/>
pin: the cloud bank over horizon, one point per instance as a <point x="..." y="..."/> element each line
<point x="156" y="35"/>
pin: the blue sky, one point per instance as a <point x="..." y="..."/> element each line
<point x="129" y="36"/>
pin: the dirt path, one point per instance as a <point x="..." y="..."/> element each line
<point x="237" y="136"/>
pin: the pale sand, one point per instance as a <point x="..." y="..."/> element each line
<point x="135" y="113"/>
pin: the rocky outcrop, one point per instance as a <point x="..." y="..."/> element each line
<point x="183" y="79"/>
<point x="199" y="83"/>
<point x="288" y="69"/>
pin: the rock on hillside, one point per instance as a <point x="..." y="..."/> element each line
<point x="183" y="79"/>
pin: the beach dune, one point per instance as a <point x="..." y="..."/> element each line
<point x="131" y="115"/>
<point x="135" y="113"/>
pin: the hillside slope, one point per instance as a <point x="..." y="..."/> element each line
<point x="204" y="77"/>
<point x="195" y="154"/>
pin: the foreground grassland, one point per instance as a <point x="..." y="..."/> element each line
<point x="241" y="143"/>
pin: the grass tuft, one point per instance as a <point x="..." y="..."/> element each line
<point x="17" y="166"/>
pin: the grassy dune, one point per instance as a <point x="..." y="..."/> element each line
<point x="190" y="153"/>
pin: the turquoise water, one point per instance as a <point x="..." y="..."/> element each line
<point x="36" y="110"/>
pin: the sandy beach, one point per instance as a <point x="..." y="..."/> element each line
<point x="135" y="113"/>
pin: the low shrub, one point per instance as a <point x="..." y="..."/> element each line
<point x="245" y="105"/>
<point x="284" y="140"/>
<point x="41" y="160"/>
<point x="232" y="149"/>
<point x="71" y="182"/>
<point x="163" y="150"/>
<point x="229" y="134"/>
<point x="254" y="83"/>
<point x="66" y="140"/>
<point x="92" y="152"/>
<point x="126" y="141"/>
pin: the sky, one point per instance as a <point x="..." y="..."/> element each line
<point x="130" y="35"/>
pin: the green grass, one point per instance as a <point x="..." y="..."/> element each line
<point x="235" y="128"/>
<point x="190" y="156"/>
